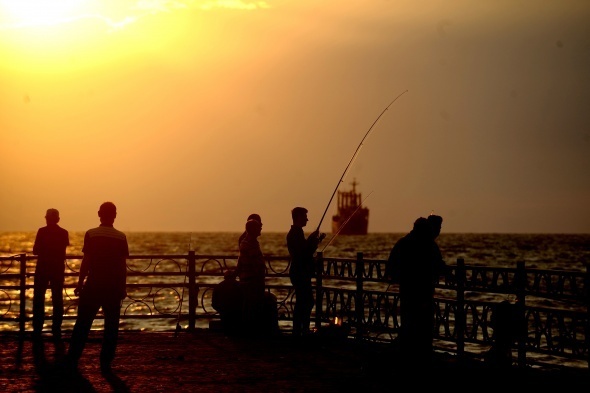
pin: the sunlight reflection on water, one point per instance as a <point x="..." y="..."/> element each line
<point x="543" y="251"/>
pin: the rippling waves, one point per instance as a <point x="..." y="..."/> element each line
<point x="543" y="251"/>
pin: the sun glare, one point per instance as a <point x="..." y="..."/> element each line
<point x="46" y="35"/>
<point x="59" y="35"/>
<point x="22" y="13"/>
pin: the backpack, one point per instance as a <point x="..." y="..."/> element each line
<point x="393" y="264"/>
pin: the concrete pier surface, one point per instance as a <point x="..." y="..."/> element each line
<point x="208" y="361"/>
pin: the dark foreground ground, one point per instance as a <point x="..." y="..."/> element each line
<point x="207" y="361"/>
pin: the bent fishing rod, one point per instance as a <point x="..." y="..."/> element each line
<point x="354" y="156"/>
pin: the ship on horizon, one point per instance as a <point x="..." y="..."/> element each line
<point x="351" y="218"/>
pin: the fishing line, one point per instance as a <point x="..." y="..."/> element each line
<point x="345" y="222"/>
<point x="354" y="156"/>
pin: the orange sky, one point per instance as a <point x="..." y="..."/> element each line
<point x="190" y="115"/>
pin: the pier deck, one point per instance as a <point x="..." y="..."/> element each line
<point x="207" y="361"/>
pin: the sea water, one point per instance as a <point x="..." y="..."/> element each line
<point x="541" y="251"/>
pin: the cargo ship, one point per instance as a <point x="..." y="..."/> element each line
<point x="351" y="218"/>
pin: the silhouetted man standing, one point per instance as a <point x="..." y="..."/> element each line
<point x="104" y="268"/>
<point x="302" y="269"/>
<point x="50" y="246"/>
<point x="415" y="262"/>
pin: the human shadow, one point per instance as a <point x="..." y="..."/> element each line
<point x="39" y="358"/>
<point x="117" y="384"/>
<point x="53" y="376"/>
<point x="19" y="352"/>
<point x="59" y="351"/>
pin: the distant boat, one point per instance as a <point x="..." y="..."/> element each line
<point x="349" y="209"/>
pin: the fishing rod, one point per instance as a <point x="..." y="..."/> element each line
<point x="354" y="156"/>
<point x="345" y="222"/>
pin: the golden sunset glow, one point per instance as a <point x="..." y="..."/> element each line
<point x="179" y="107"/>
<point x="58" y="36"/>
<point x="47" y="37"/>
<point x="26" y="13"/>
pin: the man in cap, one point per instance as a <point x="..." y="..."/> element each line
<point x="50" y="247"/>
<point x="253" y="216"/>
<point x="251" y="271"/>
<point x="259" y="312"/>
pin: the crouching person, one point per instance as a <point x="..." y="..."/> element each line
<point x="270" y="324"/>
<point x="227" y="301"/>
<point x="505" y="323"/>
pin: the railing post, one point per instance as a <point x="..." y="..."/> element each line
<point x="318" y="289"/>
<point x="522" y="328"/>
<point x="23" y="295"/>
<point x="359" y="304"/>
<point x="192" y="291"/>
<point x="587" y="293"/>
<point x="460" y="322"/>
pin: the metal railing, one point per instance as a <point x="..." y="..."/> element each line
<point x="164" y="290"/>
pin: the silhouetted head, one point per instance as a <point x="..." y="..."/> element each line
<point x="52" y="216"/>
<point x="422" y="228"/>
<point x="255" y="216"/>
<point x="253" y="228"/>
<point x="107" y="212"/>
<point x="299" y="216"/>
<point x="436" y="224"/>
